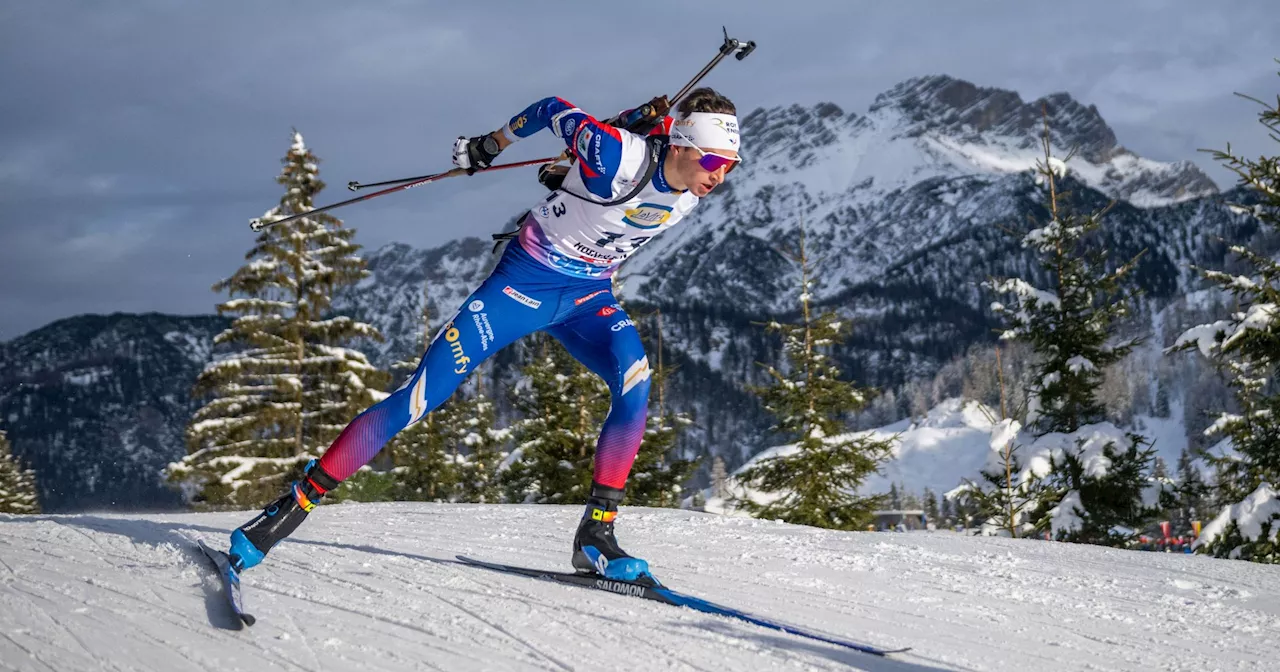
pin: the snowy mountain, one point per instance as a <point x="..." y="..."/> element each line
<point x="376" y="587"/>
<point x="97" y="405"/>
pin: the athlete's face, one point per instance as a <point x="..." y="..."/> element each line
<point x="702" y="170"/>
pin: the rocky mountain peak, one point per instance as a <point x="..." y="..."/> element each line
<point x="795" y="129"/>
<point x="940" y="103"/>
<point x="939" y="125"/>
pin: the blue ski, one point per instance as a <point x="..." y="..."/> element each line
<point x="230" y="581"/>
<point x="657" y="592"/>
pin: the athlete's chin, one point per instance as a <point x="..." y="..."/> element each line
<point x="701" y="190"/>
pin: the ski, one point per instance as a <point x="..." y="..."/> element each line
<point x="660" y="593"/>
<point x="230" y="581"/>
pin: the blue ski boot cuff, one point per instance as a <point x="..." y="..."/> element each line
<point x="244" y="553"/>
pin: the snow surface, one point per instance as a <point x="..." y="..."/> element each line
<point x="374" y="587"/>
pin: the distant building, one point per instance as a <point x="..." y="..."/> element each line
<point x="911" y="519"/>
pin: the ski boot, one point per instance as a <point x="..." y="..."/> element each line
<point x="250" y="543"/>
<point x="596" y="550"/>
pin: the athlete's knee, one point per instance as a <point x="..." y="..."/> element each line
<point x="424" y="392"/>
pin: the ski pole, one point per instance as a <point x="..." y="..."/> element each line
<point x="356" y="185"/>
<point x="649" y="111"/>
<point x="730" y="45"/>
<point x="258" y="223"/>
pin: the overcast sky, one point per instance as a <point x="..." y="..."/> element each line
<point x="137" y="138"/>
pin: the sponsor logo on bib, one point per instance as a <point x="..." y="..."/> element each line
<point x="647" y="216"/>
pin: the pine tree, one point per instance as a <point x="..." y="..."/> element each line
<point x="964" y="510"/>
<point x="478" y="471"/>
<point x="282" y="398"/>
<point x="1161" y="409"/>
<point x="1159" y="469"/>
<point x="719" y="478"/>
<point x="1192" y="493"/>
<point x="1247" y="348"/>
<point x="931" y="506"/>
<point x="1008" y="492"/>
<point x="17" y="485"/>
<point x="817" y="482"/>
<point x="1108" y="508"/>
<point x="910" y="500"/>
<point x="1071" y="329"/>
<point x="945" y="513"/>
<point x="658" y="473"/>
<point x="1070" y="326"/>
<point x="425" y="468"/>
<point x="562" y="411"/>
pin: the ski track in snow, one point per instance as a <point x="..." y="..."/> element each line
<point x="375" y="587"/>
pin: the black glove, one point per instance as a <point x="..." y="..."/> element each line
<point x="475" y="153"/>
<point x="552" y="176"/>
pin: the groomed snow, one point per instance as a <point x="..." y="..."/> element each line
<point x="373" y="587"/>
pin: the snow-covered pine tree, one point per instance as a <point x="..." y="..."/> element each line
<point x="931" y="506"/>
<point x="1192" y="493"/>
<point x="964" y="512"/>
<point x="1008" y="491"/>
<point x="910" y="500"/>
<point x="1098" y="481"/>
<point x="947" y="515"/>
<point x="478" y="471"/>
<point x="1247" y="348"/>
<point x="658" y="473"/>
<point x="424" y="455"/>
<point x="815" y="483"/>
<point x="1158" y="468"/>
<point x="293" y="384"/>
<point x="17" y="485"/>
<point x="719" y="478"/>
<point x="562" y="410"/>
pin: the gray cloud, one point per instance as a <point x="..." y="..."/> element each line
<point x="137" y="139"/>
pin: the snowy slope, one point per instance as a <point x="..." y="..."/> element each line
<point x="952" y="443"/>
<point x="947" y="445"/>
<point x="372" y="587"/>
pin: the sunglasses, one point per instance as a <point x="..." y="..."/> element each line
<point x="710" y="161"/>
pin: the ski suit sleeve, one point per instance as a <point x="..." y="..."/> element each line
<point x="597" y="146"/>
